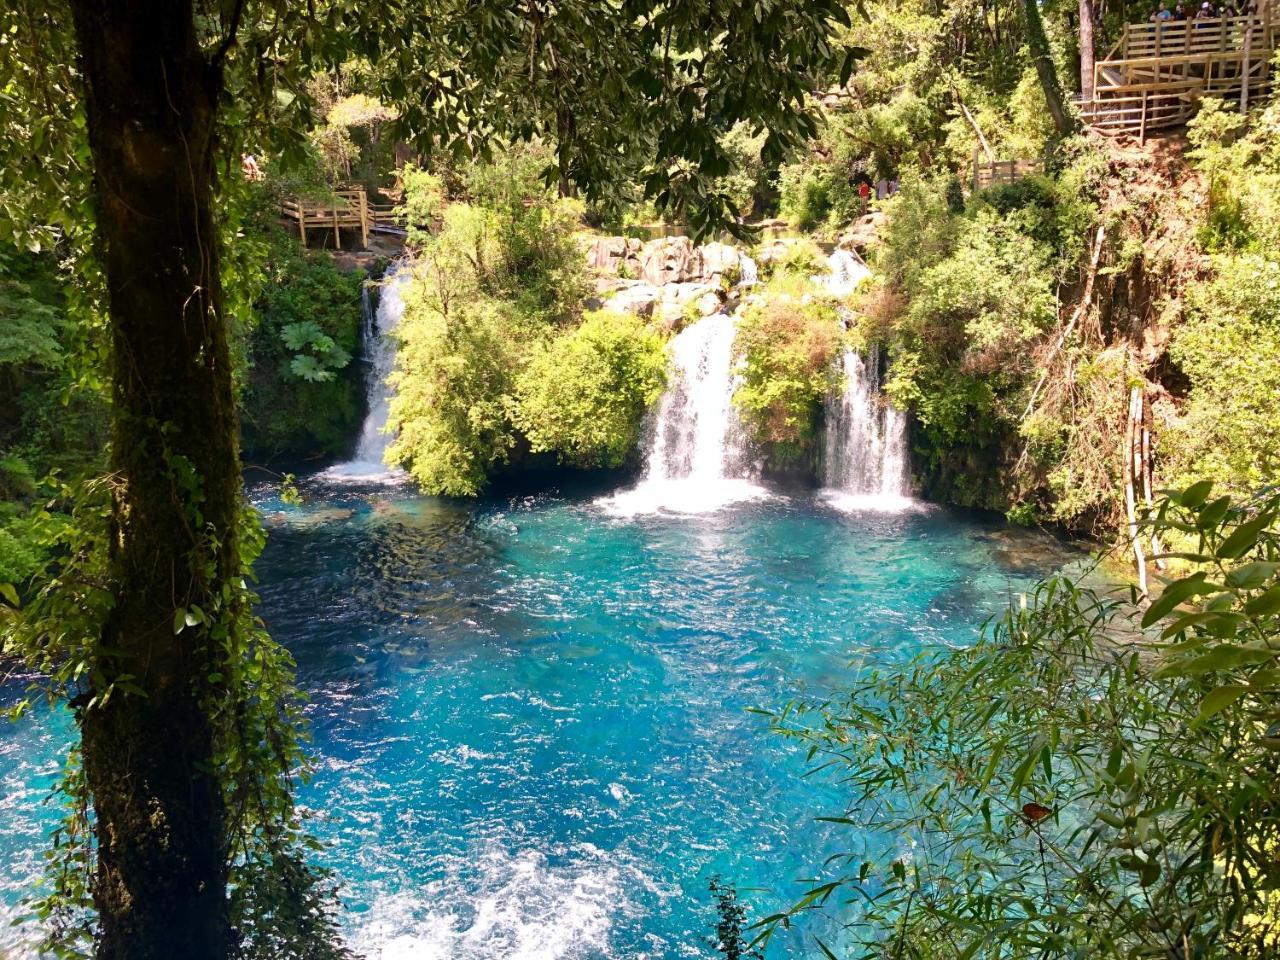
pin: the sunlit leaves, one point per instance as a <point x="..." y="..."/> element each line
<point x="1073" y="785"/>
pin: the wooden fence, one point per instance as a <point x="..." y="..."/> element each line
<point x="991" y="172"/>
<point x="1171" y="38"/>
<point x="348" y="208"/>
<point x="1157" y="73"/>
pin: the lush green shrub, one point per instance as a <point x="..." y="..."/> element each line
<point x="495" y="283"/>
<point x="454" y="380"/>
<point x="301" y="392"/>
<point x="584" y="394"/>
<point x="1229" y="348"/>
<point x="788" y="342"/>
<point x="1096" y="777"/>
<point x="806" y="194"/>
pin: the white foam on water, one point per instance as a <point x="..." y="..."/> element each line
<point x="681" y="497"/>
<point x="368" y="465"/>
<point x="698" y="458"/>
<point x="518" y="906"/>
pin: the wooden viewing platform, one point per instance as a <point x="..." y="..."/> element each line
<point x="350" y="208"/>
<point x="1157" y="73"/>
<point x="991" y="172"/>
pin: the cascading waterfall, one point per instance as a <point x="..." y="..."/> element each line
<point x="865" y="450"/>
<point x="380" y="353"/>
<point x="864" y="457"/>
<point x="698" y="457"/>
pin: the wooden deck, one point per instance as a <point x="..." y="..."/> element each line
<point x="348" y="209"/>
<point x="1157" y="73"/>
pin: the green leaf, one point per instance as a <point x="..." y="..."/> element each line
<point x="1196" y="494"/>
<point x="1218" y="699"/>
<point x="10" y="593"/>
<point x="1244" y="538"/>
<point x="1174" y="594"/>
<point x="1251" y="576"/>
<point x="179" y="620"/>
<point x="1264" y="604"/>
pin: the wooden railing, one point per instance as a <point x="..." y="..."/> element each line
<point x="1158" y="72"/>
<point x="1177" y="37"/>
<point x="348" y="208"/>
<point x="990" y="172"/>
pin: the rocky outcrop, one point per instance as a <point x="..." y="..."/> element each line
<point x="664" y="260"/>
<point x="863" y="233"/>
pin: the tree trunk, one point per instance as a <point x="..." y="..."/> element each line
<point x="1063" y="121"/>
<point x="1086" y="50"/>
<point x="149" y="759"/>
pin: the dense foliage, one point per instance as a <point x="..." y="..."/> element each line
<point x="1113" y="794"/>
<point x="1228" y="345"/>
<point x="788" y="340"/>
<point x="584" y="394"/>
<point x="301" y="390"/>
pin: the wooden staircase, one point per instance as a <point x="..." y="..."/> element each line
<point x="1154" y="77"/>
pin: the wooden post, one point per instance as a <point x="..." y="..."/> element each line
<point x="302" y="221"/>
<point x="975" y="169"/>
<point x="337" y="237"/>
<point x="1013" y="170"/>
<point x="364" y="218"/>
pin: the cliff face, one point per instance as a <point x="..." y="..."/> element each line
<point x="1030" y="327"/>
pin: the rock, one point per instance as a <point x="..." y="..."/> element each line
<point x="668" y="260"/>
<point x="611" y="254"/>
<point x="863" y="233"/>
<point x="674" y="307"/>
<point x="633" y="297"/>
<point x="717" y="259"/>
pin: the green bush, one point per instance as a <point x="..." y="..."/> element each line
<point x="301" y="392"/>
<point x="806" y="195"/>
<point x="1096" y="777"/>
<point x="584" y="394"/>
<point x="788" y="343"/>
<point x="495" y="283"/>
<point x="1229" y="349"/>
<point x="454" y="380"/>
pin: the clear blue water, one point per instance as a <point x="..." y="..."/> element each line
<point x="531" y="717"/>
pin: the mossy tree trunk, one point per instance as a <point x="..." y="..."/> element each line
<point x="149" y="758"/>
<point x="1041" y="54"/>
<point x="1086" y="50"/>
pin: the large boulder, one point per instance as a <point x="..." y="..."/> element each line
<point x="718" y="259"/>
<point x="634" y="297"/>
<point x="679" y="301"/>
<point x="669" y="260"/>
<point x="863" y="233"/>
<point x="613" y="254"/>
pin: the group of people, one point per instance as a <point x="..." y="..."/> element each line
<point x="1207" y="11"/>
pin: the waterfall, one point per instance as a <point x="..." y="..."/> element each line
<point x="865" y="450"/>
<point x="698" y="458"/>
<point x="864" y="456"/>
<point x="845" y="271"/>
<point x="749" y="272"/>
<point x="380" y="354"/>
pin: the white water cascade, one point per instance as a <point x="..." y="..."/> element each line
<point x="864" y="456"/>
<point x="369" y="462"/>
<point x="698" y="459"/>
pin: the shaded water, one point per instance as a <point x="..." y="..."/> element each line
<point x="530" y="716"/>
